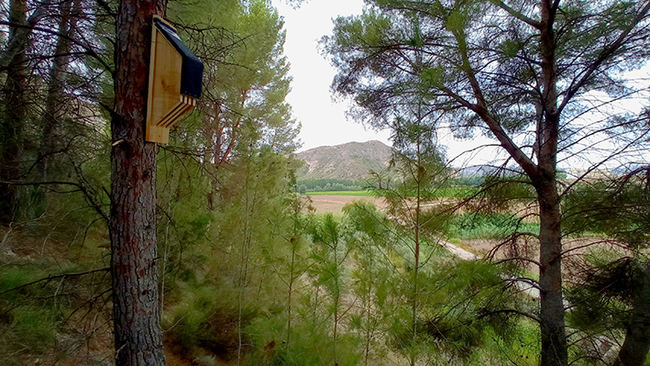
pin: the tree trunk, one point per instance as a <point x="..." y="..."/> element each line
<point x="53" y="115"/>
<point x="637" y="339"/>
<point x="554" y="343"/>
<point x="292" y="278"/>
<point x="414" y="308"/>
<point x="138" y="337"/>
<point x="11" y="129"/>
<point x="337" y="299"/>
<point x="554" y="349"/>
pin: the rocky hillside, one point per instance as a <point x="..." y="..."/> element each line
<point x="351" y="161"/>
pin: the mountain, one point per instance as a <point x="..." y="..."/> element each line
<point x="350" y="161"/>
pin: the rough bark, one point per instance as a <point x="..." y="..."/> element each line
<point x="19" y="37"/>
<point x="416" y="228"/>
<point x="53" y="115"/>
<point x="292" y="278"/>
<point x="11" y="128"/>
<point x="637" y="338"/>
<point x="554" y="343"/>
<point x="136" y="311"/>
<point x="543" y="176"/>
<point x="225" y="138"/>
<point x="554" y="347"/>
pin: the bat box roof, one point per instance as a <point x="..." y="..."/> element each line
<point x="175" y="81"/>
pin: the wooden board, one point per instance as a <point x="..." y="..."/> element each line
<point x="165" y="104"/>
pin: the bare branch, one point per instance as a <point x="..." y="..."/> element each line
<point x="605" y="54"/>
<point x="53" y="277"/>
<point x="517" y="14"/>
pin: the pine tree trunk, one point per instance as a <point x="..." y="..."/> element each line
<point x="53" y="115"/>
<point x="337" y="299"/>
<point x="554" y="350"/>
<point x="138" y="337"/>
<point x="11" y="128"/>
<point x="637" y="338"/>
<point x="554" y="343"/>
<point x="414" y="308"/>
<point x="291" y="280"/>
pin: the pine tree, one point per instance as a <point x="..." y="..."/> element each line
<point x="134" y="251"/>
<point x="512" y="70"/>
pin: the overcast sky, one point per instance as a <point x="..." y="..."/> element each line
<point x="324" y="122"/>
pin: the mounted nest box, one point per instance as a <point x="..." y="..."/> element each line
<point x="175" y="78"/>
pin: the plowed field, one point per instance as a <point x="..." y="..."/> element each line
<point x="334" y="204"/>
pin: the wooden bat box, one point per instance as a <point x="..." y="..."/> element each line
<point x="175" y="79"/>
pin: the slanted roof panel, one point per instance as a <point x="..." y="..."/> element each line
<point x="192" y="68"/>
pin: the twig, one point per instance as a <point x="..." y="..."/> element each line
<point x="52" y="277"/>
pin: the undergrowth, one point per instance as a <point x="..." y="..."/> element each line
<point x="488" y="226"/>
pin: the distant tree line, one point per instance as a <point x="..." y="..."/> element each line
<point x="328" y="185"/>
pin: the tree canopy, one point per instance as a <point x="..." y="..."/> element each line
<point x="530" y="74"/>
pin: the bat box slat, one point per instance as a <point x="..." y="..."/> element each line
<point x="175" y="80"/>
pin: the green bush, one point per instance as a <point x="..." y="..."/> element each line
<point x="488" y="226"/>
<point x="206" y="318"/>
<point x="310" y="344"/>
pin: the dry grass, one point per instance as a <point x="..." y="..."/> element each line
<point x="334" y="204"/>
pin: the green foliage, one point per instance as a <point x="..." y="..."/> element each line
<point x="343" y="193"/>
<point x="610" y="290"/>
<point x="617" y="209"/>
<point x="475" y="67"/>
<point x="245" y="81"/>
<point x="218" y="256"/>
<point x="205" y="320"/>
<point x="510" y="48"/>
<point x="307" y="347"/>
<point x="460" y="322"/>
<point x="248" y="272"/>
<point x="507" y="188"/>
<point x="433" y="75"/>
<point x="520" y="345"/>
<point x="457" y="191"/>
<point x="231" y="265"/>
<point x="318" y="185"/>
<point x="371" y="32"/>
<point x="329" y="254"/>
<point x="34" y="325"/>
<point x="615" y="287"/>
<point x="33" y="316"/>
<point x="448" y="191"/>
<point x="372" y="277"/>
<point x="13" y="277"/>
<point x="489" y="226"/>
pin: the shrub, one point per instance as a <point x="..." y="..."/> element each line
<point x="488" y="226"/>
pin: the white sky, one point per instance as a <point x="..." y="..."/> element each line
<point x="324" y="122"/>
